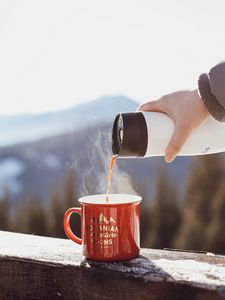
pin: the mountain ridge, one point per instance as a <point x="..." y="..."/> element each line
<point x="36" y="167"/>
<point x="22" y="128"/>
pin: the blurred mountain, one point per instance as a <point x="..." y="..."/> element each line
<point x="23" y="128"/>
<point x="39" y="167"/>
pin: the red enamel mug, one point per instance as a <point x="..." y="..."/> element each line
<point x="110" y="231"/>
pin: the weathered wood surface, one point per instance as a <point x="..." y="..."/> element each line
<point x="33" y="267"/>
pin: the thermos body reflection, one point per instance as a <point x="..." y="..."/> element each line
<point x="147" y="134"/>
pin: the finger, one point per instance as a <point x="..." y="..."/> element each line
<point x="180" y="135"/>
<point x="151" y="106"/>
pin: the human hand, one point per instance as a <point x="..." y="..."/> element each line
<point x="187" y="111"/>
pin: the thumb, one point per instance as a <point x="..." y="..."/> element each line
<point x="151" y="106"/>
<point x="179" y="137"/>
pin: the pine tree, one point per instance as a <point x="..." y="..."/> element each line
<point x="165" y="214"/>
<point x="55" y="215"/>
<point x="216" y="231"/>
<point x="58" y="206"/>
<point x="202" y="185"/>
<point x="5" y="212"/>
<point x="30" y="217"/>
<point x="70" y="198"/>
<point x="145" y="222"/>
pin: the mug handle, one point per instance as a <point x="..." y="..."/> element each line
<point x="66" y="223"/>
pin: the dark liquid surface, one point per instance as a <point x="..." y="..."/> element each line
<point x="111" y="165"/>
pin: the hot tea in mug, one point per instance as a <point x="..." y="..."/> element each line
<point x="110" y="230"/>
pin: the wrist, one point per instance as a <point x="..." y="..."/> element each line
<point x="200" y="102"/>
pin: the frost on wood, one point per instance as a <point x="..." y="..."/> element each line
<point x="199" y="274"/>
<point x="195" y="269"/>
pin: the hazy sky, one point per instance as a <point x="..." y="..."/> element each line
<point x="56" y="54"/>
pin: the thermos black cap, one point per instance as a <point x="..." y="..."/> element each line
<point x="129" y="135"/>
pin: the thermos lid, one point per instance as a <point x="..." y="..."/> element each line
<point x="129" y="135"/>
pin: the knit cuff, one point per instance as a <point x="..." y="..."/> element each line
<point x="210" y="101"/>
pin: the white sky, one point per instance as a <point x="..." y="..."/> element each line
<point x="56" y="54"/>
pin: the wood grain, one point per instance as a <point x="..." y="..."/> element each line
<point x="33" y="267"/>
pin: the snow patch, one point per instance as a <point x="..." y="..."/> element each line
<point x="202" y="273"/>
<point x="52" y="161"/>
<point x="10" y="169"/>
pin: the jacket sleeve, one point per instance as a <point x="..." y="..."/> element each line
<point x="212" y="90"/>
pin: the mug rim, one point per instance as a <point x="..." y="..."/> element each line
<point x="89" y="199"/>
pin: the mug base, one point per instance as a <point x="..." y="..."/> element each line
<point x="112" y="259"/>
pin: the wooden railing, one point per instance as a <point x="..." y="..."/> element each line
<point x="33" y="267"/>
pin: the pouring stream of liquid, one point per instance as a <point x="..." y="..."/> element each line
<point x="111" y="165"/>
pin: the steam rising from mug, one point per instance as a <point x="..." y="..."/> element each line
<point x="93" y="167"/>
